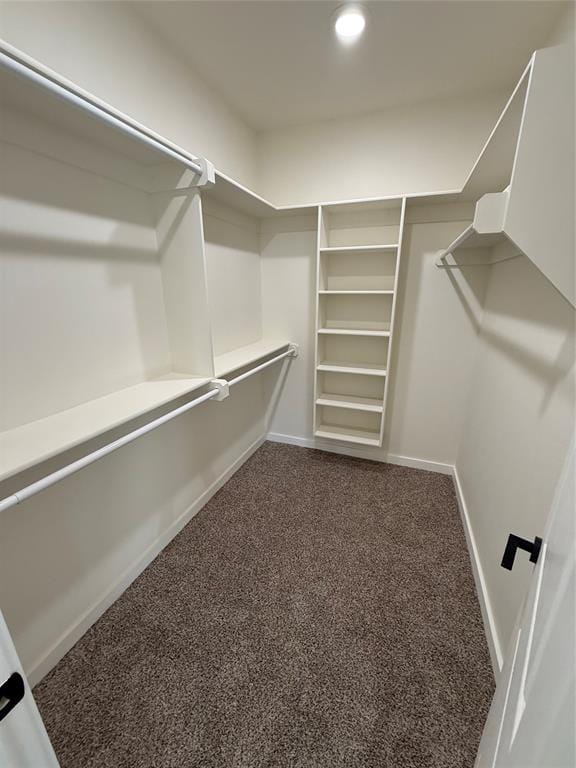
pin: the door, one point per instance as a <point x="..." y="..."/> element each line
<point x="532" y="721"/>
<point x="24" y="742"/>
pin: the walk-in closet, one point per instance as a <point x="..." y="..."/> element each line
<point x="287" y="384"/>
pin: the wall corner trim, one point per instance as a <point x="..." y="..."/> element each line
<point x="73" y="633"/>
<point x="488" y="617"/>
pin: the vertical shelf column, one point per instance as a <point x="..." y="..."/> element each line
<point x="358" y="254"/>
<point x="180" y="234"/>
<point x="393" y="317"/>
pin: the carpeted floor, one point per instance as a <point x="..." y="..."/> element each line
<point x="320" y="612"/>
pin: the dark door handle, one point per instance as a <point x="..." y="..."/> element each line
<point x="515" y="542"/>
<point x="11" y="693"/>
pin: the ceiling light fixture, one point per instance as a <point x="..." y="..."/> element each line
<point x="349" y="24"/>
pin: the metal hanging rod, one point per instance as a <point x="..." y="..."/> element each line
<point x="97" y="108"/>
<point x="90" y="458"/>
<point x="219" y="390"/>
<point x="441" y="265"/>
<point x="292" y="352"/>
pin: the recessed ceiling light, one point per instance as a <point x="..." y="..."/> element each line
<point x="350" y="22"/>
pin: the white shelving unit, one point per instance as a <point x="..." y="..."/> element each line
<point x="113" y="285"/>
<point x="96" y="201"/>
<point x="357" y="278"/>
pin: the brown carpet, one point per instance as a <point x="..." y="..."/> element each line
<point x="320" y="612"/>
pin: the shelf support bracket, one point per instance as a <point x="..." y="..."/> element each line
<point x="223" y="388"/>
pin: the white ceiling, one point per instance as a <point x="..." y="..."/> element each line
<point x="277" y="63"/>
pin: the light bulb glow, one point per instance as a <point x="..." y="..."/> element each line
<point x="350" y="24"/>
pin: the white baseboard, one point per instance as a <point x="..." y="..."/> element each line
<point x="71" y="636"/>
<point x="490" y="630"/>
<point x="361" y="453"/>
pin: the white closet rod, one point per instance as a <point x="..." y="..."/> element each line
<point x="292" y="352"/>
<point x="75" y="466"/>
<point x="441" y="265"/>
<point x="99" y="111"/>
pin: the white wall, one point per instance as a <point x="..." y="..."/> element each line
<point x="108" y="50"/>
<point x="520" y="415"/>
<point x="422" y="148"/>
<point x="288" y="301"/>
<point x="519" y="421"/>
<point x="565" y="29"/>
<point x="232" y="248"/>
<point x="82" y="311"/>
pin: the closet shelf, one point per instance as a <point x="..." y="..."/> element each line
<point x="363" y="369"/>
<point x="470" y="238"/>
<point x="238" y="358"/>
<point x="344" y="331"/>
<point x="366" y="292"/>
<point x="30" y="444"/>
<point x="486" y="232"/>
<point x="360" y="436"/>
<point x="359" y="248"/>
<point x="235" y="195"/>
<point x="350" y="402"/>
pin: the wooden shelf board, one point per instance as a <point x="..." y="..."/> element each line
<point x="353" y="332"/>
<point x="359" y="248"/>
<point x="358" y="283"/>
<point x="359" y="436"/>
<point x="237" y="196"/>
<point x="363" y="369"/>
<point x="493" y="168"/>
<point x="238" y="358"/>
<point x="368" y="292"/>
<point x="28" y="445"/>
<point x="350" y="402"/>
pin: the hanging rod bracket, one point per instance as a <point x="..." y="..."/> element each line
<point x="168" y="177"/>
<point x="223" y="388"/>
<point x="294" y="350"/>
<point x="208" y="176"/>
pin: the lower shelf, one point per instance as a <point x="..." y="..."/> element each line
<point x="364" y="369"/>
<point x="351" y="402"/>
<point x="383" y="331"/>
<point x="37" y="441"/>
<point x="360" y="436"/>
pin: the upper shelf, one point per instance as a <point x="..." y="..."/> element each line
<point x="239" y="197"/>
<point x="30" y="444"/>
<point x="238" y="358"/>
<point x="38" y="92"/>
<point x="493" y="168"/>
<point x="360" y="248"/>
<point x="490" y="173"/>
<point x="485" y="232"/>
